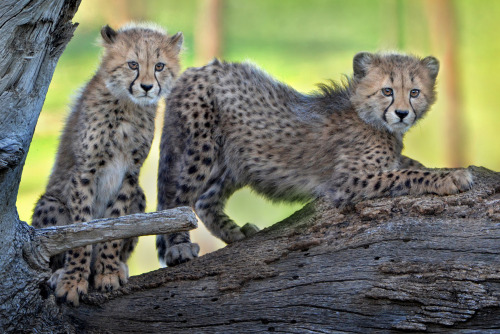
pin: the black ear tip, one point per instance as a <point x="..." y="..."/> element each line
<point x="360" y="63"/>
<point x="432" y="65"/>
<point x="108" y="34"/>
<point x="178" y="37"/>
<point x="177" y="40"/>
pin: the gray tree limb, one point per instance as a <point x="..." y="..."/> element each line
<point x="424" y="263"/>
<point x="50" y="241"/>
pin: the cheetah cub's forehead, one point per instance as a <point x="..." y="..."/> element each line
<point x="393" y="91"/>
<point x="140" y="62"/>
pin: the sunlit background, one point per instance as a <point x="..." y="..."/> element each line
<point x="301" y="43"/>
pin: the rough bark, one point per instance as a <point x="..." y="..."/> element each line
<point x="33" y="34"/>
<point x="425" y="263"/>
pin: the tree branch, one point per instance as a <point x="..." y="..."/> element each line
<point x="50" y="241"/>
<point x="410" y="263"/>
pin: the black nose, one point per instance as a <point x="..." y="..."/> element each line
<point x="402" y="113"/>
<point x="146" y="87"/>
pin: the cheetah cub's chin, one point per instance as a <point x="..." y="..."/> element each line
<point x="105" y="141"/>
<point x="229" y="125"/>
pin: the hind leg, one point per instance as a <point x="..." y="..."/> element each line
<point x="50" y="211"/>
<point x="210" y="208"/>
<point x="174" y="248"/>
<point x="173" y="191"/>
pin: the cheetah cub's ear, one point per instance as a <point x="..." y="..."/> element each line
<point x="361" y="63"/>
<point x="108" y="34"/>
<point x="176" y="42"/>
<point x="432" y="64"/>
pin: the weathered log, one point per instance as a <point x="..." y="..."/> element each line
<point x="425" y="263"/>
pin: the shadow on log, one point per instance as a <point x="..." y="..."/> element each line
<point x="425" y="263"/>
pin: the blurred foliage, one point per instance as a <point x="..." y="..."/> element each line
<point x="301" y="43"/>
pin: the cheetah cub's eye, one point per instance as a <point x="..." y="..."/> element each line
<point x="387" y="91"/>
<point x="133" y="65"/>
<point x="415" y="92"/>
<point x="159" y="67"/>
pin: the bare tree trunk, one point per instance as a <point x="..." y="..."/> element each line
<point x="33" y="35"/>
<point x="444" y="38"/>
<point x="208" y="38"/>
<point x="411" y="263"/>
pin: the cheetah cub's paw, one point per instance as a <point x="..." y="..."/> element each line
<point x="68" y="286"/>
<point x="456" y="181"/>
<point x="111" y="280"/>
<point x="249" y="229"/>
<point x="237" y="233"/>
<point x="181" y="253"/>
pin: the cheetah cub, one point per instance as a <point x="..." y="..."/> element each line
<point x="231" y="125"/>
<point x="107" y="136"/>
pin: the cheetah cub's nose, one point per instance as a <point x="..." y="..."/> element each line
<point x="146" y="87"/>
<point x="400" y="113"/>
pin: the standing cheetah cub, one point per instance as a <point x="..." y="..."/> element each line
<point x="231" y="125"/>
<point x="105" y="141"/>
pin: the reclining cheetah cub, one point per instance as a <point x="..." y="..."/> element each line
<point x="230" y="125"/>
<point x="105" y="141"/>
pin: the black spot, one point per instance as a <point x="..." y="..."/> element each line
<point x="377" y="185"/>
<point x="115" y="212"/>
<point x="207" y="161"/>
<point x="86" y="210"/>
<point x="122" y="197"/>
<point x="193" y="169"/>
<point x="205" y="147"/>
<point x="408" y="184"/>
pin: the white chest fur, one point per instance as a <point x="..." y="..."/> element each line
<point x="109" y="182"/>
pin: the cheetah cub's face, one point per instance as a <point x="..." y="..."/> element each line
<point x="393" y="91"/>
<point x="140" y="62"/>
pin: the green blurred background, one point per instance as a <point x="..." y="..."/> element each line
<point x="301" y="43"/>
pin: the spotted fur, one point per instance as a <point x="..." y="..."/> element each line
<point x="230" y="125"/>
<point x="105" y="142"/>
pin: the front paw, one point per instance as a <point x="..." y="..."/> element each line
<point x="180" y="253"/>
<point x="110" y="280"/>
<point x="456" y="181"/>
<point x="68" y="286"/>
